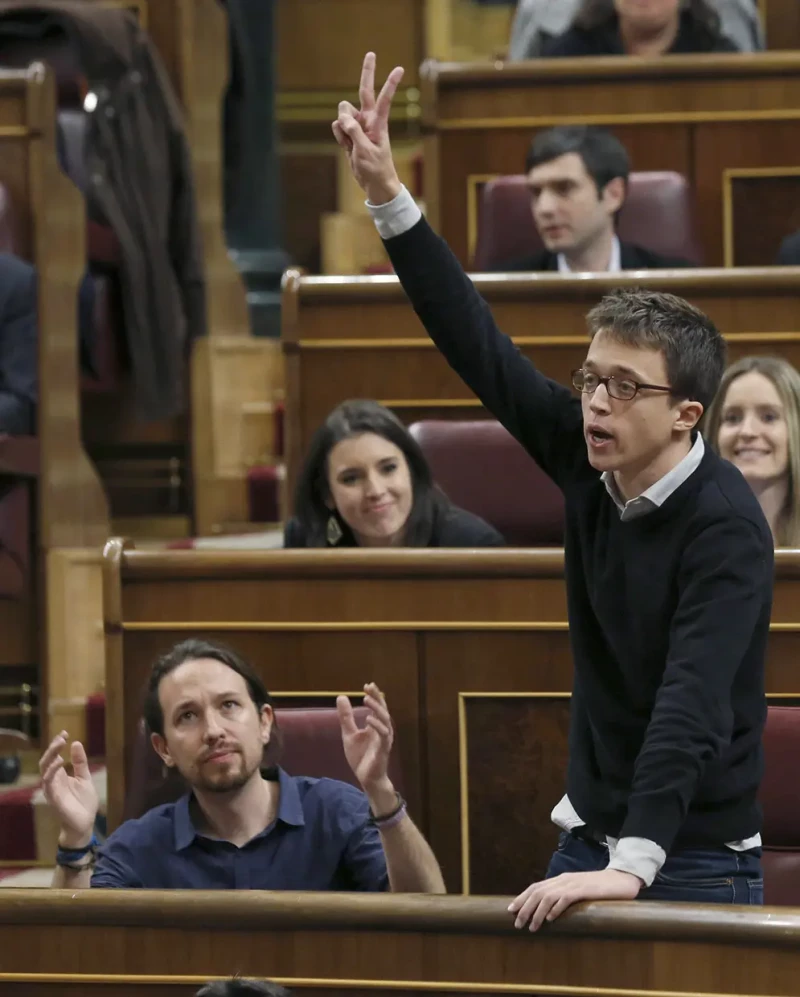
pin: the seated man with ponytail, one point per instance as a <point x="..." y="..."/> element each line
<point x="241" y="826"/>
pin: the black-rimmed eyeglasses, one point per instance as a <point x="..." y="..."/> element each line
<point x="621" y="388"/>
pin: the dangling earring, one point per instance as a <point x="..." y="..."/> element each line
<point x="334" y="531"/>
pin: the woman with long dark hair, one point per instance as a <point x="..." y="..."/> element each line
<point x="641" y="27"/>
<point x="365" y="483"/>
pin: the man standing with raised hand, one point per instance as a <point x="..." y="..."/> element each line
<point x="668" y="562"/>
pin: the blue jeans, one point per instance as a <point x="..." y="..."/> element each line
<point x="691" y="875"/>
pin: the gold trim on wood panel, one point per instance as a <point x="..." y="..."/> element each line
<point x="463" y="793"/>
<point x="762" y="337"/>
<point x="659" y="118"/>
<point x="463" y="768"/>
<point x="15" y="131"/>
<point x="346" y="625"/>
<point x="728" y="221"/>
<point x="332" y="98"/>
<point x="409" y="343"/>
<point x="450" y="986"/>
<point x="313" y="694"/>
<point x="322" y="115"/>
<point x="431" y="403"/>
<point x="320" y="105"/>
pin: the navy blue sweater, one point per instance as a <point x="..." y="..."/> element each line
<point x="669" y="613"/>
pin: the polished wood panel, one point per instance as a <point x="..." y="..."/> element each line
<point x="308" y="184"/>
<point x="782" y="23"/>
<point x="145" y="942"/>
<point x="765" y="208"/>
<point x="513" y="765"/>
<point x="359" y="337"/>
<point x="322" y="45"/>
<point x="471" y="647"/>
<point x="699" y="114"/>
<point x="328" y="58"/>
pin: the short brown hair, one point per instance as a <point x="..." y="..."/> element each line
<point x="693" y="347"/>
<point x="195" y="649"/>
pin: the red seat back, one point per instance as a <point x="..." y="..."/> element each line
<point x="483" y="469"/>
<point x="780" y="798"/>
<point x="657" y="215"/>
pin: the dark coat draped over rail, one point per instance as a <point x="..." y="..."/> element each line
<point x="140" y="182"/>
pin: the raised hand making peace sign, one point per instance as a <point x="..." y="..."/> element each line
<point x="364" y="134"/>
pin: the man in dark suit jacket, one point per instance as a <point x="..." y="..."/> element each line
<point x="578" y="178"/>
<point x="18" y="347"/>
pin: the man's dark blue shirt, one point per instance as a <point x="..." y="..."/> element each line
<point x="321" y="840"/>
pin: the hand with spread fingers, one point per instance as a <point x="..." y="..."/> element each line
<point x="367" y="749"/>
<point x="73" y="797"/>
<point x="546" y="900"/>
<point x="363" y="133"/>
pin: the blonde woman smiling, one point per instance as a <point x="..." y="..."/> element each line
<point x="754" y="422"/>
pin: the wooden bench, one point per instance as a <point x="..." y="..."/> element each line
<point x="117" y="943"/>
<point x="727" y="122"/>
<point x="470" y="647"/>
<point x="347" y="337"/>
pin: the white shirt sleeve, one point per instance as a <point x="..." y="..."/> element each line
<point x="638" y="856"/>
<point x="396" y="216"/>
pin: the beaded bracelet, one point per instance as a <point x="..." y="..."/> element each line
<point x="391" y="819"/>
<point x="68" y="857"/>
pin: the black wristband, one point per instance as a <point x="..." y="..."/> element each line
<point x="68" y="858"/>
<point x="378" y="820"/>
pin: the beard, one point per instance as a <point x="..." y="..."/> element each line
<point x="227" y="778"/>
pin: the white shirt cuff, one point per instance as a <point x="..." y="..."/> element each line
<point x="638" y="856"/>
<point x="396" y="216"/>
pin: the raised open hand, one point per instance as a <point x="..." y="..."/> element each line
<point x="364" y="134"/>
<point x="367" y="749"/>
<point x="73" y="797"/>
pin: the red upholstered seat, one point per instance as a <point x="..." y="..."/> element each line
<point x="311" y="745"/>
<point x="264" y="485"/>
<point x="657" y="215"/>
<point x="483" y="469"/>
<point x="780" y="798"/>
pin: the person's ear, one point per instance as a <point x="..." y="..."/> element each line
<point x="159" y="743"/>
<point x="266" y="719"/>
<point x="613" y="196"/>
<point x="689" y="413"/>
